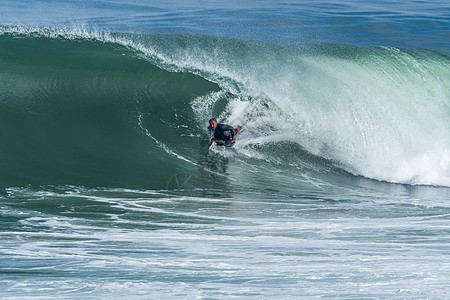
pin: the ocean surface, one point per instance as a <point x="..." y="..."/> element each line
<point x="338" y="188"/>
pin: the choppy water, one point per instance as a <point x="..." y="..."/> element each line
<point x="338" y="188"/>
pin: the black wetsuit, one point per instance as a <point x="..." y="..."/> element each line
<point x="223" y="134"/>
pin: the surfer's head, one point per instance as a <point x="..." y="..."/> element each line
<point x="213" y="123"/>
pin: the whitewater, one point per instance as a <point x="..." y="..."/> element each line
<point x="338" y="188"/>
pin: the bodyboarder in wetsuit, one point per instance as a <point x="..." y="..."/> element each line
<point x="222" y="134"/>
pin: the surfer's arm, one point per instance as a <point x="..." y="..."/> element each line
<point x="211" y="135"/>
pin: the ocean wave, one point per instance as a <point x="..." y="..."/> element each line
<point x="106" y="109"/>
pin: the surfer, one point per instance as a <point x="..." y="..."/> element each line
<point x="222" y="134"/>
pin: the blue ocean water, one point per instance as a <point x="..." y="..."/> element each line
<point x="337" y="188"/>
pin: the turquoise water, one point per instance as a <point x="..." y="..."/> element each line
<point x="338" y="187"/>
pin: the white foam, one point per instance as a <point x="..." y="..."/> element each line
<point x="384" y="117"/>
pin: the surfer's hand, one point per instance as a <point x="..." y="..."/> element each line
<point x="213" y="142"/>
